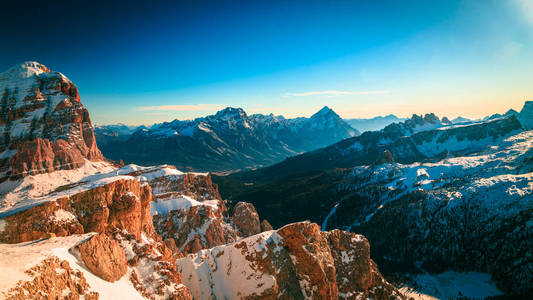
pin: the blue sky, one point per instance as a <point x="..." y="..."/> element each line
<point x="146" y="63"/>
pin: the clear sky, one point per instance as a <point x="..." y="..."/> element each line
<point x="140" y="63"/>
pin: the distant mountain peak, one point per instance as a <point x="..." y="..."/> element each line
<point x="325" y="111"/>
<point x="230" y="112"/>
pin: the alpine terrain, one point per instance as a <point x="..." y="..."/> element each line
<point x="432" y="197"/>
<point x="75" y="226"/>
<point x="227" y="141"/>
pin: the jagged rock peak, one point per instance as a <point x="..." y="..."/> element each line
<point x="230" y="113"/>
<point x="44" y="126"/>
<point x="526" y="115"/>
<point x="325" y="111"/>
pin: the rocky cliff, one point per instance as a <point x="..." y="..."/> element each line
<point x="44" y="127"/>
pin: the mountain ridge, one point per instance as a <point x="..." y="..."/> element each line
<point x="230" y="139"/>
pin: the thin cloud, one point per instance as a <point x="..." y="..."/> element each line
<point x="333" y="93"/>
<point x="181" y="107"/>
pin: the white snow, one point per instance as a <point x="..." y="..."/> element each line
<point x="498" y="176"/>
<point x="34" y="189"/>
<point x="164" y="206"/>
<point x="17" y="258"/>
<point x="224" y="272"/>
<point x="62" y="215"/>
<point x="449" y="284"/>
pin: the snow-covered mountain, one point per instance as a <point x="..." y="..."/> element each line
<point x="227" y="140"/>
<point x="467" y="213"/>
<point x="373" y="124"/>
<point x="43" y="125"/>
<point x="116" y="129"/>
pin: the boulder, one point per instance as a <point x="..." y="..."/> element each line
<point x="104" y="257"/>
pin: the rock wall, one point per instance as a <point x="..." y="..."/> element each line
<point x="297" y="261"/>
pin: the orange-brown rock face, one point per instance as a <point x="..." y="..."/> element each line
<point x="44" y="126"/>
<point x="104" y="257"/>
<point x="312" y="260"/>
<point x="119" y="205"/>
<point x="356" y="273"/>
<point x="49" y="280"/>
<point x="246" y="219"/>
<point x="120" y="211"/>
<point x="196" y="227"/>
<point x="297" y="261"/>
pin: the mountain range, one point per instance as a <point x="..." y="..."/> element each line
<point x="430" y="195"/>
<point x="428" y="199"/>
<point x="373" y="124"/>
<point x="228" y="140"/>
<point x="74" y="225"/>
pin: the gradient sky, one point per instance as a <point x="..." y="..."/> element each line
<point x="140" y="63"/>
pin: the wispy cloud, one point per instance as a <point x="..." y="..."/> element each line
<point x="333" y="93"/>
<point x="181" y="107"/>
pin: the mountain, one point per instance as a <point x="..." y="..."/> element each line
<point x="459" y="213"/>
<point x="80" y="227"/>
<point x="117" y="129"/>
<point x="430" y="196"/>
<point x="461" y="120"/>
<point x="299" y="188"/>
<point x="373" y="124"/>
<point x="228" y="140"/>
<point x="417" y="138"/>
<point x="526" y="115"/>
<point x="44" y="127"/>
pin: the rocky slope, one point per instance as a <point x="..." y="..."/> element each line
<point x="74" y="226"/>
<point x="44" y="127"/>
<point x="467" y="213"/>
<point x="297" y="261"/>
<point x="458" y="197"/>
<point x="228" y="140"/>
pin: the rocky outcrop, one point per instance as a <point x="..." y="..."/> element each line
<point x="104" y="257"/>
<point x="122" y="204"/>
<point x="356" y="273"/>
<point x="246" y="219"/>
<point x="195" y="228"/>
<point x="43" y="125"/>
<point x="188" y="209"/>
<point x="120" y="211"/>
<point x="265" y="226"/>
<point x="52" y="279"/>
<point x="297" y="261"/>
